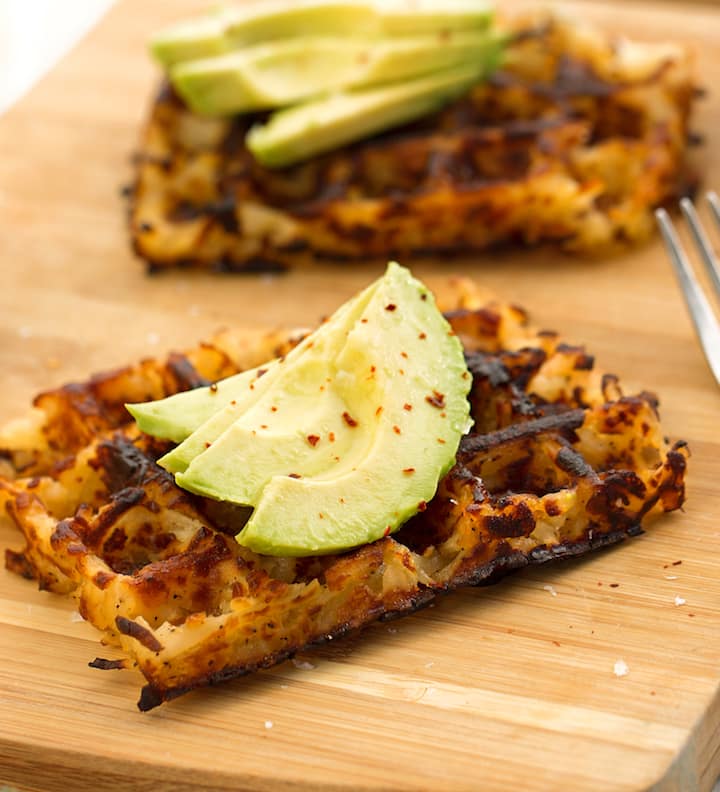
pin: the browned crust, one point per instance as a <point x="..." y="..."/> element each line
<point x="564" y="145"/>
<point x="559" y="463"/>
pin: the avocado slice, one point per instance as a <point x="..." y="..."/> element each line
<point x="255" y="22"/>
<point x="280" y="412"/>
<point x="391" y="388"/>
<point x="402" y="18"/>
<point x="178" y="416"/>
<point x="303" y="131"/>
<point x="290" y="70"/>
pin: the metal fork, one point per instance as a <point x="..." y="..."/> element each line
<point x="701" y="312"/>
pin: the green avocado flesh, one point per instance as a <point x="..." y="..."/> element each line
<point x="343" y="440"/>
<point x="284" y="72"/>
<point x="255" y="22"/>
<point x="308" y="129"/>
<point x="332" y="72"/>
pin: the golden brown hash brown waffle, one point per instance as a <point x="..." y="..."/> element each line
<point x="575" y="140"/>
<point x="557" y="464"/>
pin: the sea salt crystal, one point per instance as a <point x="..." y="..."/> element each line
<point x="392" y="630"/>
<point x="620" y="668"/>
<point x="679" y="601"/>
<point x="430" y="664"/>
<point x="671" y="577"/>
<point x="76" y="617"/>
<point x="302" y="664"/>
<point x="268" y="724"/>
<point x="551" y="590"/>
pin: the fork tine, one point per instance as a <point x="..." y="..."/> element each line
<point x="701" y="313"/>
<point x="702" y="241"/>
<point x="714" y="201"/>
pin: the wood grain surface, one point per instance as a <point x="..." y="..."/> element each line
<point x="502" y="688"/>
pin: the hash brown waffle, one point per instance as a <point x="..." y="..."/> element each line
<point x="559" y="463"/>
<point x="574" y="141"/>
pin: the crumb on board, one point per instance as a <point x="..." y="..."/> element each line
<point x="304" y="665"/>
<point x="620" y="669"/>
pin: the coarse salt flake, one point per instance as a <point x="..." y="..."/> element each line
<point x="620" y="669"/>
<point x="680" y="601"/>
<point x="551" y="590"/>
<point x="268" y="724"/>
<point x="76" y="617"/>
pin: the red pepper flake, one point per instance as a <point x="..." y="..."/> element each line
<point x="422" y="506"/>
<point x="260" y="372"/>
<point x="556" y="643"/>
<point x="407" y="407"/>
<point x="372" y="369"/>
<point x="349" y="420"/>
<point x="207" y="444"/>
<point x="363" y="321"/>
<point x="214" y="387"/>
<point x="614" y="585"/>
<point x="409" y="471"/>
<point x="294" y="475"/>
<point x="422" y="336"/>
<point x="341" y="500"/>
<point x="233" y="402"/>
<point x="252" y="386"/>
<point x="401" y="372"/>
<point x="404" y="354"/>
<point x="676" y="563"/>
<point x="440" y="440"/>
<point x="321" y="515"/>
<point x="378" y="412"/>
<point x="331" y="437"/>
<point x="313" y="440"/>
<point x="273" y="408"/>
<point x="263" y="426"/>
<point x="391" y="307"/>
<point x="437" y="400"/>
<point x="423" y="296"/>
<point x="387" y="531"/>
<point x="396" y="429"/>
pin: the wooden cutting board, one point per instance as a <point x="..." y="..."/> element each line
<point x="502" y="688"/>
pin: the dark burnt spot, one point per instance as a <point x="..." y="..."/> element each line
<point x="108" y="665"/>
<point x="518" y="520"/>
<point x="572" y="462"/>
<point x="349" y="420"/>
<point x="186" y="376"/>
<point x="103" y="579"/>
<point x="551" y="507"/>
<point x="563" y="422"/>
<point x="141" y="634"/>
